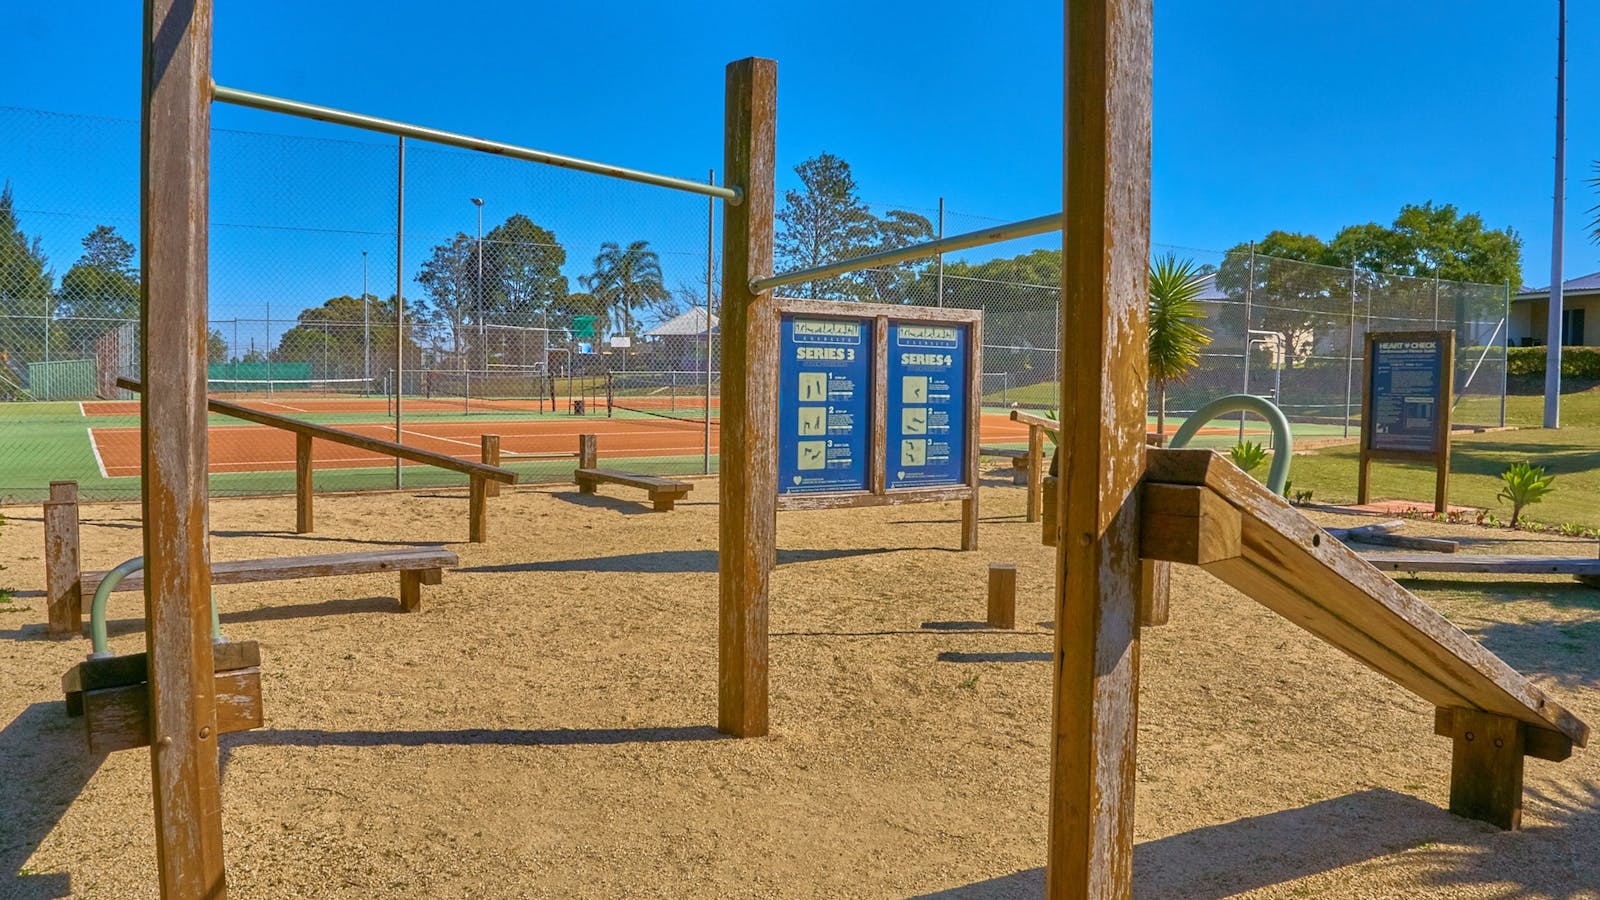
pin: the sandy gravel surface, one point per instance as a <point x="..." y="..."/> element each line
<point x="543" y="727"/>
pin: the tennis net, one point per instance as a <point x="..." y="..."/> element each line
<point x="294" y="388"/>
<point x="683" y="394"/>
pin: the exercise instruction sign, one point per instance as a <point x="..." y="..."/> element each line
<point x="1407" y="396"/>
<point x="824" y="406"/>
<point x="927" y="405"/>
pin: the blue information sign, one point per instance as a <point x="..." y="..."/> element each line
<point x="824" y="405"/>
<point x="927" y="411"/>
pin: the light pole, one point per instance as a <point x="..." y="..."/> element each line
<point x="482" y="344"/>
<point x="366" y="325"/>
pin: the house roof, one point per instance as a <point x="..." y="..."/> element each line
<point x="1209" y="291"/>
<point x="1583" y="284"/>
<point x="687" y="323"/>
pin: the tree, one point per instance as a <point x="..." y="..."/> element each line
<point x="1594" y="224"/>
<point x="216" y="347"/>
<point x="102" y="287"/>
<point x="337" y="343"/>
<point x="524" y="286"/>
<point x="447" y="278"/>
<point x="1176" y="337"/>
<point x="825" y="221"/>
<point x="25" y="293"/>
<point x="1430" y="240"/>
<point x="627" y="281"/>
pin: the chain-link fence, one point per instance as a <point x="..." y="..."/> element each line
<point x="540" y="304"/>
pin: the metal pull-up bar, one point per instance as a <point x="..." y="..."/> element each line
<point x="389" y="126"/>
<point x="1010" y="231"/>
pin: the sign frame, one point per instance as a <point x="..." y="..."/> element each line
<point x="1438" y="454"/>
<point x="877" y="318"/>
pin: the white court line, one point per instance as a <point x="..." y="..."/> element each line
<point x="284" y="406"/>
<point x="436" y="437"/>
<point x="81" y="413"/>
<point x="96" y="448"/>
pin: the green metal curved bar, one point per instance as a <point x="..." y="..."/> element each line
<point x="1282" y="441"/>
<point x="102" y="595"/>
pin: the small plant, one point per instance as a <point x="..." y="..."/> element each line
<point x="1301" y="498"/>
<point x="1248" y="455"/>
<point x="1288" y="488"/>
<point x="969" y="683"/>
<point x="1054" y="416"/>
<point x="1524" y="485"/>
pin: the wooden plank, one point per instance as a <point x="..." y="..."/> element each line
<point x="410" y="590"/>
<point x="1383" y="534"/>
<point x="969" y="506"/>
<point x="633" y="479"/>
<point x="477" y="510"/>
<point x="1486" y="768"/>
<point x="878" y="437"/>
<point x="1035" y="421"/>
<point x="63" y="594"/>
<point x="1294" y="568"/>
<point x="1187" y="524"/>
<point x="350" y="439"/>
<point x="810" y="307"/>
<point x="1050" y="523"/>
<point x="290" y="568"/>
<point x="303" y="522"/>
<point x="857" y="500"/>
<point x="748" y="437"/>
<point x="1155" y="592"/>
<point x="1104" y="395"/>
<point x="1003" y="452"/>
<point x="489" y="453"/>
<point x="1035" y="473"/>
<point x="118" y="718"/>
<point x="1002" y="611"/>
<point x="173" y="228"/>
<point x="1541" y="743"/>
<point x="1484" y="563"/>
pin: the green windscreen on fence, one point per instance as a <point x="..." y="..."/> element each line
<point x="62" y="379"/>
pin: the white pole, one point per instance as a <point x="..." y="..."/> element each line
<point x="366" y="325"/>
<point x="1552" y="364"/>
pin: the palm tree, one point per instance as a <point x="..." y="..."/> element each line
<point x="1176" y="337"/>
<point x="1594" y="223"/>
<point x="626" y="280"/>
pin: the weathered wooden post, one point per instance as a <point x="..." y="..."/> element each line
<point x="1035" y="473"/>
<point x="175" y="166"/>
<point x="748" y="435"/>
<point x="489" y="448"/>
<point x="62" y="562"/>
<point x="1105" y="258"/>
<point x="477" y="509"/>
<point x="1002" y="595"/>
<point x="303" y="520"/>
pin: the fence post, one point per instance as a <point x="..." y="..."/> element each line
<point x="302" y="484"/>
<point x="1505" y="356"/>
<point x="490" y="449"/>
<point x="1249" y="291"/>
<point x="1350" y="355"/>
<point x="62" y="565"/>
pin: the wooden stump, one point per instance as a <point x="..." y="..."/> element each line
<point x="64" y="596"/>
<point x="1486" y="768"/>
<point x="490" y="448"/>
<point x="1002" y="595"/>
<point x="302" y="484"/>
<point x="478" y="510"/>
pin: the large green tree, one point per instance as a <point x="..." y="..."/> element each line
<point x="522" y="273"/>
<point x="26" y="296"/>
<point x="101" y="288"/>
<point x="825" y="221"/>
<point x="627" y="280"/>
<point x="335" y="341"/>
<point x="448" y="279"/>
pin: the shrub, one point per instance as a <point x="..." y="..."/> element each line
<point x="1248" y="455"/>
<point x="1525" y="485"/>
<point x="1576" y="362"/>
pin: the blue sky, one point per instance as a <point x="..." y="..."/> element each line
<point x="1303" y="116"/>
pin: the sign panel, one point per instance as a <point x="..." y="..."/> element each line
<point x="927" y="405"/>
<point x="1407" y="394"/>
<point x="824" y="404"/>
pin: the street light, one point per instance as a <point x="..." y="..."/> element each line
<point x="482" y="342"/>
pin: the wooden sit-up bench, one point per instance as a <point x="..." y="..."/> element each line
<point x="664" y="492"/>
<point x="1019" y="461"/>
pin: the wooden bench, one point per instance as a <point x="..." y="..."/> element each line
<point x="1585" y="569"/>
<point x="664" y="492"/>
<point x="417" y="566"/>
<point x="1019" y="461"/>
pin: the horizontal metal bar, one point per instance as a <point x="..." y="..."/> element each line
<point x="389" y="126"/>
<point x="1024" y="228"/>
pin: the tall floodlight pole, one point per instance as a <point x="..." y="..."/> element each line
<point x="939" y="279"/>
<point x="482" y="341"/>
<point x="366" y="325"/>
<point x="1552" y="363"/>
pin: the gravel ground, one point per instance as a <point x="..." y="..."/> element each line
<point x="542" y="728"/>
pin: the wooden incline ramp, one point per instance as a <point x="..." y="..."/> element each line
<point x="1202" y="510"/>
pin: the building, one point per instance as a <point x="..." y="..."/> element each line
<point x="1580" y="297"/>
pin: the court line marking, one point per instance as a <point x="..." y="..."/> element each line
<point x="98" y="461"/>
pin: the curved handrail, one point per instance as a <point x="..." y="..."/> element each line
<point x="102" y="595"/>
<point x="1283" y="441"/>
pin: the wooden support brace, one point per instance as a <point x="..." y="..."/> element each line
<point x="62" y="562"/>
<point x="490" y="447"/>
<point x="588" y="458"/>
<point x="411" y="581"/>
<point x="113" y="695"/>
<point x="478" y="510"/>
<point x="303" y="523"/>
<point x="1540" y="743"/>
<point x="1049" y="489"/>
<point x="1002" y="595"/>
<point x="1486" y="767"/>
<point x="1155" y="592"/>
<point x="1189" y="524"/>
<point x="1035" y="471"/>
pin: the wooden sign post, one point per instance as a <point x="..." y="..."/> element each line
<point x="1407" y="390"/>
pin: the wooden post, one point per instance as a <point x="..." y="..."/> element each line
<point x="588" y="451"/>
<point x="748" y="437"/>
<point x="478" y="509"/>
<point x="1105" y="255"/>
<point x="490" y="447"/>
<point x="1486" y="767"/>
<point x="62" y="562"/>
<point x="173" y="225"/>
<point x="303" y="522"/>
<point x="411" y="582"/>
<point x="1002" y="595"/>
<point x="1035" y="473"/>
<point x="969" y="506"/>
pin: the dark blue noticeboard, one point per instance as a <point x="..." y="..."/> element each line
<point x="1407" y="377"/>
<point x="927" y="412"/>
<point x="824" y="404"/>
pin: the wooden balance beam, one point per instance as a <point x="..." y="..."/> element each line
<point x="1037" y="428"/>
<point x="1019" y="461"/>
<point x="663" y="492"/>
<point x="1200" y="509"/>
<point x="1584" y="568"/>
<point x="480" y="475"/>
